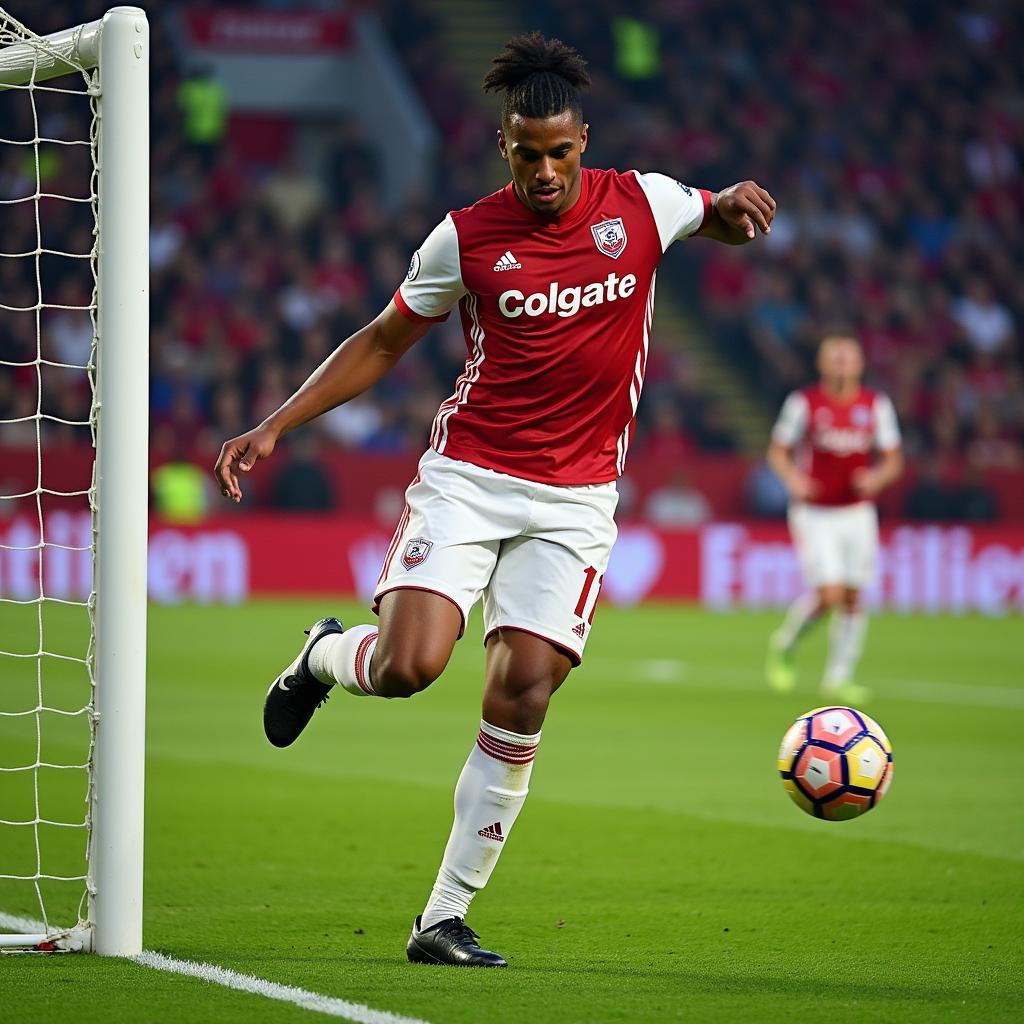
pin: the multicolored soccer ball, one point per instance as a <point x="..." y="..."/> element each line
<point x="835" y="763"/>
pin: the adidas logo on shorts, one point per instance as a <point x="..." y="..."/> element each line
<point x="508" y="262"/>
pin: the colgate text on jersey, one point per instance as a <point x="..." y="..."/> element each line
<point x="566" y="302"/>
<point x="843" y="440"/>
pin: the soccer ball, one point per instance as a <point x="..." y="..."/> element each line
<point x="835" y="763"/>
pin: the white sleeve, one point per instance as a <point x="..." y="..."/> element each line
<point x="791" y="426"/>
<point x="887" y="428"/>
<point x="434" y="282"/>
<point x="678" y="209"/>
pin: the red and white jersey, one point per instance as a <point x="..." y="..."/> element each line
<point x="835" y="438"/>
<point x="557" y="318"/>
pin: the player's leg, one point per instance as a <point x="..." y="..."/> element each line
<point x="846" y="643"/>
<point x="849" y="620"/>
<point x="805" y="527"/>
<point x="538" y="610"/>
<point x="523" y="671"/>
<point x="439" y="561"/>
<point x="402" y="655"/>
<point x="804" y="613"/>
<point x="780" y="664"/>
<point x="399" y="657"/>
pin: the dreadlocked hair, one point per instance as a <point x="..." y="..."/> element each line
<point x="540" y="78"/>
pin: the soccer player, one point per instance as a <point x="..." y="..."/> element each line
<point x="552" y="278"/>
<point x="822" y="449"/>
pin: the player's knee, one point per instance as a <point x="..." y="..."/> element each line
<point x="521" y="711"/>
<point x="401" y="674"/>
<point x="830" y="597"/>
<point x="531" y="704"/>
<point x="524" y="697"/>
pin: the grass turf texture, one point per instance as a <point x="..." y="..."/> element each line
<point x="658" y="872"/>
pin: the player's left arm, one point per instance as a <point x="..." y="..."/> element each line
<point x="870" y="481"/>
<point x="738" y="213"/>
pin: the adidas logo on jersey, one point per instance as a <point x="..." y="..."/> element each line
<point x="508" y="262"/>
<point x="492" y="832"/>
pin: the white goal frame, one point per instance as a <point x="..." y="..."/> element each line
<point x="118" y="46"/>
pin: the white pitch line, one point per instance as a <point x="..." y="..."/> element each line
<point x="21" y="925"/>
<point x="330" y="1005"/>
<point x="359" y="1013"/>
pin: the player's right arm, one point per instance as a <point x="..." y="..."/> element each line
<point x="433" y="286"/>
<point x="788" y="432"/>
<point x="355" y="366"/>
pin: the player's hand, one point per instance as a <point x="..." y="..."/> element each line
<point x="240" y="454"/>
<point x="801" y="487"/>
<point x="866" y="482"/>
<point x="746" y="206"/>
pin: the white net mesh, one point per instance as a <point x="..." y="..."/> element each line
<point x="48" y="413"/>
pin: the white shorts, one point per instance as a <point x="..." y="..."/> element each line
<point x="536" y="552"/>
<point x="836" y="545"/>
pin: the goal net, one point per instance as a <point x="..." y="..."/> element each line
<point x="73" y="379"/>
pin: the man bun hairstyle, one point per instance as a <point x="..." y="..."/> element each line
<point x="540" y="78"/>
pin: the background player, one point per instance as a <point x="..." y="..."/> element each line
<point x="553" y="277"/>
<point x="821" y="448"/>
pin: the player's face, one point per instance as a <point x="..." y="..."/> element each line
<point x="543" y="154"/>
<point x="841" y="362"/>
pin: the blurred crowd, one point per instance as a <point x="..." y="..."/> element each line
<point x="889" y="134"/>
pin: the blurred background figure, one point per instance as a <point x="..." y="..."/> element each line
<point x="303" y="485"/>
<point x="677" y="503"/>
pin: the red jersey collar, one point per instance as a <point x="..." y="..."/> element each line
<point x="577" y="211"/>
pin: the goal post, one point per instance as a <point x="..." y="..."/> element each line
<point x="117" y="47"/>
<point x="122" y="480"/>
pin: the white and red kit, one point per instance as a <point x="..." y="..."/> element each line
<point x="557" y="317"/>
<point x="556" y="313"/>
<point x="836" y="531"/>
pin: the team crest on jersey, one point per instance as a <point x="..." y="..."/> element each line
<point x="416" y="551"/>
<point x="860" y="415"/>
<point x="610" y="237"/>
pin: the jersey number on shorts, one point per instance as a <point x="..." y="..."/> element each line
<point x="588" y="584"/>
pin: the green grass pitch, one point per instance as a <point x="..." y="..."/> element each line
<point x="658" y="871"/>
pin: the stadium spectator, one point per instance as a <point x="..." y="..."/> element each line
<point x="204" y="104"/>
<point x="294" y="197"/>
<point x="986" y="322"/>
<point x="977" y="501"/>
<point x="932" y="498"/>
<point x="766" y="496"/>
<point x="180" y="492"/>
<point x="677" y="503"/>
<point x="302" y="485"/>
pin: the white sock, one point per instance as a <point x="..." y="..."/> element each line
<point x="803" y="613"/>
<point x="488" y="798"/>
<point x="845" y="644"/>
<point x="344" y="659"/>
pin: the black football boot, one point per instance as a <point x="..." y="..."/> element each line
<point x="450" y="942"/>
<point x="296" y="693"/>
